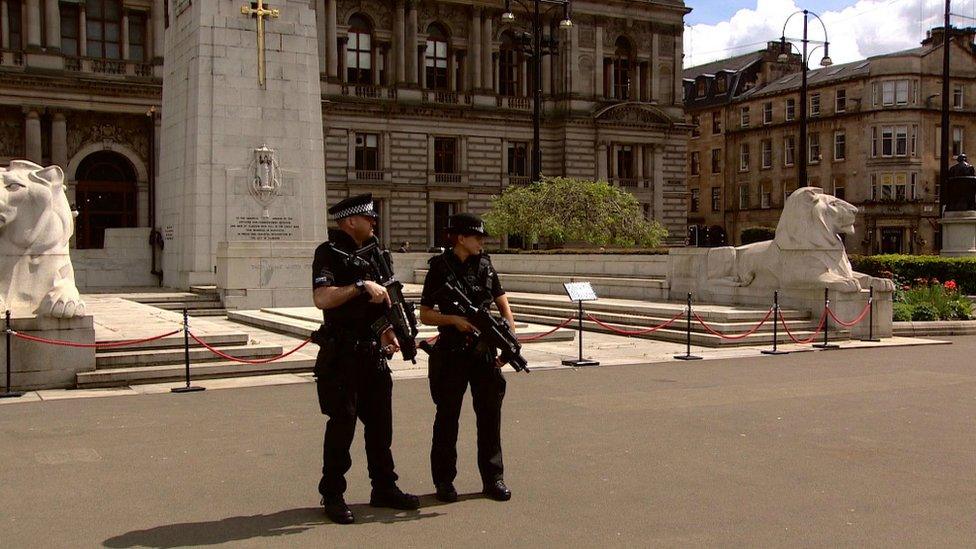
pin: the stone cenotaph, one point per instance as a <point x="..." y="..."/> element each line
<point x="241" y="179"/>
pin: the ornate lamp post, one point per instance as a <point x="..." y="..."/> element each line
<point x="805" y="58"/>
<point x="537" y="51"/>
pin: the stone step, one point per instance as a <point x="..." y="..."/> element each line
<point x="176" y="340"/>
<point x="157" y="357"/>
<point x="188" y="305"/>
<point x="207" y="312"/>
<point x="620" y="286"/>
<point x="204" y="290"/>
<point x="116" y="377"/>
<point x="676" y="332"/>
<point x="171" y="297"/>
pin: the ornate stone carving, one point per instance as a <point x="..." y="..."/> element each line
<point x="36" y="276"/>
<point x="265" y="175"/>
<point x="380" y="14"/>
<point x="632" y="114"/>
<point x="85" y="128"/>
<point x="12" y="136"/>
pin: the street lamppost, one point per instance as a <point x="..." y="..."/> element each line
<point x="805" y="57"/>
<point x="537" y="51"/>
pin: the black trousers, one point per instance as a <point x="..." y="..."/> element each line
<point x="351" y="386"/>
<point x="449" y="376"/>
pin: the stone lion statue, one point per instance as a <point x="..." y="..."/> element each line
<point x="807" y="251"/>
<point x="36" y="222"/>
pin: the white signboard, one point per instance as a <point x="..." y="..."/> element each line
<point x="579" y="291"/>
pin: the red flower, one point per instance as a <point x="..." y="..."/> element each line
<point x="950" y="285"/>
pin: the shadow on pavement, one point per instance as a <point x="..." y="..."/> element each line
<point x="282" y="523"/>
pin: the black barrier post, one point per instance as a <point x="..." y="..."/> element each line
<point x="775" y="350"/>
<point x="580" y="361"/>
<point x="826" y="345"/>
<point x="186" y="358"/>
<point x="871" y="316"/>
<point x="7" y="392"/>
<point x="688" y="355"/>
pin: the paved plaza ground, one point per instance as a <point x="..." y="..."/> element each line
<point x="869" y="447"/>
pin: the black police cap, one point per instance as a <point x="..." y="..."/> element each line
<point x="361" y="204"/>
<point x="466" y="223"/>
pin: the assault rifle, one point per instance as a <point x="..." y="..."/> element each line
<point x="400" y="316"/>
<point x="493" y="331"/>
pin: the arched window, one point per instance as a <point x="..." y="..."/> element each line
<point x="509" y="67"/>
<point x="105" y="197"/>
<point x="436" y="58"/>
<point x="103" y="28"/>
<point x="359" y="51"/>
<point x="622" y="67"/>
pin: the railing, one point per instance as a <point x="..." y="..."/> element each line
<point x="440" y="96"/>
<point x="108" y="66"/>
<point x="447" y="178"/>
<point x="370" y="175"/>
<point x="72" y="64"/>
<point x="368" y="91"/>
<point x="519" y="180"/>
<point x="144" y="69"/>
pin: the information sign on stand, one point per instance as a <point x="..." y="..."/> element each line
<point x="579" y="292"/>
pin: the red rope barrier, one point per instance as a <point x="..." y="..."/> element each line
<point x="244" y="360"/>
<point x="732" y="337"/>
<point x="856" y="321"/>
<point x="90" y="345"/>
<point x="635" y="332"/>
<point x="823" y="320"/>
<point x="550" y="332"/>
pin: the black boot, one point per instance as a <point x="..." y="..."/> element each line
<point x="498" y="491"/>
<point x="394" y="498"/>
<point x="446" y="493"/>
<point x="337" y="510"/>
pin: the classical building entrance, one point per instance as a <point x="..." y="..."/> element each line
<point x="105" y="197"/>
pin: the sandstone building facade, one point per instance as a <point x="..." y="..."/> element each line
<point x="427" y="104"/>
<point x="873" y="139"/>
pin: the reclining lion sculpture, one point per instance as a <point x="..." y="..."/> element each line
<point x="807" y="251"/>
<point x="36" y="223"/>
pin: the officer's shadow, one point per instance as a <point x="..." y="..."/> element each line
<point x="282" y="523"/>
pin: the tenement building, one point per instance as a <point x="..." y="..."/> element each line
<point x="426" y="104"/>
<point x="873" y="140"/>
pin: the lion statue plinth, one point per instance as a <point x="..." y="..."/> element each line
<point x="807" y="251"/>
<point x="36" y="223"/>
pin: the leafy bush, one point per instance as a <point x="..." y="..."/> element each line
<point x="912" y="267"/>
<point x="757" y="234"/>
<point x="563" y="209"/>
<point x="901" y="312"/>
<point x="924" y="311"/>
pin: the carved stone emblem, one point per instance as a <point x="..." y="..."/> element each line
<point x="265" y="184"/>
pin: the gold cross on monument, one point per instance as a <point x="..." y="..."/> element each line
<point x="260" y="12"/>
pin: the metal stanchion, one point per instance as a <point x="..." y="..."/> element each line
<point x="826" y="345"/>
<point x="871" y="316"/>
<point x="186" y="358"/>
<point x="688" y="355"/>
<point x="7" y="392"/>
<point x="775" y="350"/>
<point x="580" y="361"/>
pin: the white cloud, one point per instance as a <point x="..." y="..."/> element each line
<point x="863" y="29"/>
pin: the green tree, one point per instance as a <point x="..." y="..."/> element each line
<point x="563" y="209"/>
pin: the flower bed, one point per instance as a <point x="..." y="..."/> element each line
<point x="928" y="299"/>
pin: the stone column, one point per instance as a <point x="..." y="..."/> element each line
<point x="474" y="45"/>
<point x="52" y="9"/>
<point x="547" y="75"/>
<point x="82" y="35"/>
<point x="601" y="161"/>
<point x="421" y="73"/>
<point x="676" y="78"/>
<point x="452" y="71"/>
<point x="411" y="49"/>
<point x="32" y="137"/>
<point x="59" y="140"/>
<point x="638" y="80"/>
<point x="524" y="90"/>
<point x="658" y="169"/>
<point x="5" y="25"/>
<point x="572" y="60"/>
<point x="399" y="30"/>
<point x="655" y="66"/>
<point x="33" y="16"/>
<point x="374" y="63"/>
<point x="611" y="84"/>
<point x="125" y="35"/>
<point x="332" y="40"/>
<point x="341" y="47"/>
<point x="158" y="17"/>
<point x="598" y="64"/>
<point x="486" y="64"/>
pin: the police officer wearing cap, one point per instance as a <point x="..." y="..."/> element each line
<point x="353" y="378"/>
<point x="458" y="359"/>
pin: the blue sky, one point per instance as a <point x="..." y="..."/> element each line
<point x="714" y="11"/>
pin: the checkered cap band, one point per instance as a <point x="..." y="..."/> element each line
<point x="359" y="209"/>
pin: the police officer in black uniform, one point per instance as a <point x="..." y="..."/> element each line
<point x="459" y="359"/>
<point x="353" y="378"/>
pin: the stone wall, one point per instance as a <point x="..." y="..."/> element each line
<point x="124" y="261"/>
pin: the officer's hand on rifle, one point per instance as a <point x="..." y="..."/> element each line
<point x="377" y="293"/>
<point x="463" y="325"/>
<point x="499" y="362"/>
<point x="389" y="342"/>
